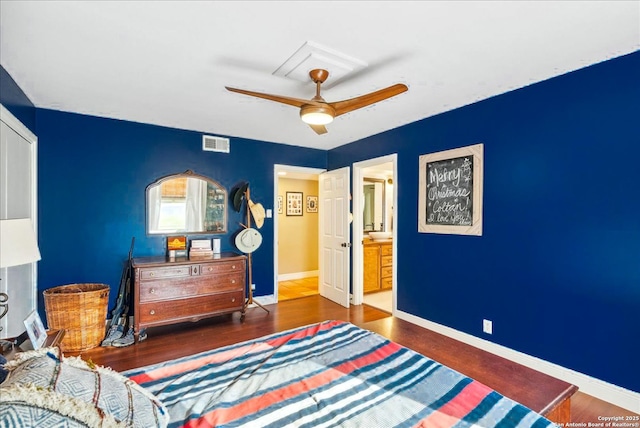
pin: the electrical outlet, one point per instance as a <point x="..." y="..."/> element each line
<point x="487" y="326"/>
<point x="253" y="287"/>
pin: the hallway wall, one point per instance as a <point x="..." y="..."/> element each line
<point x="297" y="235"/>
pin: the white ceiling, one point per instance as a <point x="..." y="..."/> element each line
<point x="167" y="63"/>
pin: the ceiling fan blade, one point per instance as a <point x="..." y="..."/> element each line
<point x="320" y="129"/>
<point x="296" y="102"/>
<point x="345" y="106"/>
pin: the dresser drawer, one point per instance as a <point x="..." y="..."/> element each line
<point x="386" y="271"/>
<point x="177" y="289"/>
<point x="191" y="309"/>
<point x="153" y="274"/>
<point x="221" y="267"/>
<point x="386" y="250"/>
<point x="386" y="261"/>
<point x="386" y="283"/>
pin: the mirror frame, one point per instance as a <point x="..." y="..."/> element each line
<point x="187" y="174"/>
<point x="373" y="180"/>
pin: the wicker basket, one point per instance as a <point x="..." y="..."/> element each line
<point x="80" y="310"/>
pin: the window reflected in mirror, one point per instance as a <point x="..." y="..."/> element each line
<point x="186" y="203"/>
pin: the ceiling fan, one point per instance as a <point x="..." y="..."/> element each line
<point x="316" y="112"/>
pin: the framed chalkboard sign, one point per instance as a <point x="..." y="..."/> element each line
<point x="450" y="191"/>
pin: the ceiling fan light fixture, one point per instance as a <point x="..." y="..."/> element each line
<point x="316" y="112"/>
<point x="317" y="115"/>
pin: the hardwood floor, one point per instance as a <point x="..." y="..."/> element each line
<point x="170" y="342"/>
<point x="297" y="288"/>
<point x="174" y="341"/>
<point x="585" y="408"/>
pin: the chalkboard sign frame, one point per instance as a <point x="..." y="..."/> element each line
<point x="475" y="228"/>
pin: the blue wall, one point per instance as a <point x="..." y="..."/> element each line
<point x="558" y="266"/>
<point x="15" y="100"/>
<point x="92" y="178"/>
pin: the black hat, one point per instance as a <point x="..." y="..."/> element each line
<point x="239" y="193"/>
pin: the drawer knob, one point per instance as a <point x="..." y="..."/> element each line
<point x="233" y="266"/>
<point x="152" y="291"/>
<point x="152" y="312"/>
<point x="210" y="268"/>
<point x="233" y="300"/>
<point x="151" y="274"/>
<point x="233" y="281"/>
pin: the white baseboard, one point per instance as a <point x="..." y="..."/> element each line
<point x="297" y="275"/>
<point x="614" y="394"/>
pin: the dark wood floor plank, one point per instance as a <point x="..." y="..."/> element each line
<point x="588" y="409"/>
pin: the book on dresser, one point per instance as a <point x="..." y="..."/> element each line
<point x="196" y="252"/>
<point x="200" y="248"/>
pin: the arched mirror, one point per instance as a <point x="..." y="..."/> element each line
<point x="186" y="203"/>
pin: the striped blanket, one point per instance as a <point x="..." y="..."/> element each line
<point x="331" y="374"/>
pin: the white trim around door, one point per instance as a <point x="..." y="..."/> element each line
<point x="358" y="226"/>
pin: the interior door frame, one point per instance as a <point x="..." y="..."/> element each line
<point x="357" y="252"/>
<point x="289" y="169"/>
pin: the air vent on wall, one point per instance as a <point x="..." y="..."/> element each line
<point x="215" y="144"/>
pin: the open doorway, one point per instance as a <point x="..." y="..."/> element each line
<point x="296" y="215"/>
<point x="374" y="210"/>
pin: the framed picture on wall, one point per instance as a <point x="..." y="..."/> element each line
<point x="450" y="191"/>
<point x="279" y="204"/>
<point x="294" y="203"/>
<point x="312" y="204"/>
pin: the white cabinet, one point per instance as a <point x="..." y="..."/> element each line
<point x="18" y="198"/>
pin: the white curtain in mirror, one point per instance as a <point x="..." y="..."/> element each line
<point x="196" y="204"/>
<point x="153" y="205"/>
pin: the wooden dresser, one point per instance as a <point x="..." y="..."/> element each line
<point x="378" y="265"/>
<point x="182" y="289"/>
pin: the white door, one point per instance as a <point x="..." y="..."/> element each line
<point x="17" y="200"/>
<point x="334" y="235"/>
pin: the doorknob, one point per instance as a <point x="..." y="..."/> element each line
<point x="346" y="244"/>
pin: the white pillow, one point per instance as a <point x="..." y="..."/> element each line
<point x="44" y="388"/>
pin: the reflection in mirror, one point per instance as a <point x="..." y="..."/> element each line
<point x="374" y="204"/>
<point x="186" y="203"/>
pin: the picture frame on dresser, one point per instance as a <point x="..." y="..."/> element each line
<point x="35" y="330"/>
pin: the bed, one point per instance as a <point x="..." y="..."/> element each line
<point x="324" y="375"/>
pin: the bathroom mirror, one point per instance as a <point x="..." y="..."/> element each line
<point x="374" y="204"/>
<point x="186" y="203"/>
